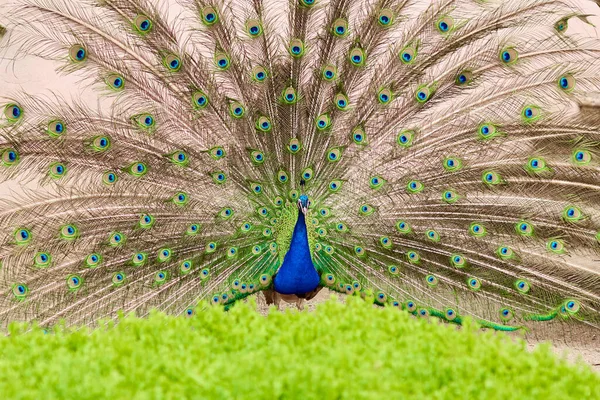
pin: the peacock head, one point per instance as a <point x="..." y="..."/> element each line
<point x="303" y="203"/>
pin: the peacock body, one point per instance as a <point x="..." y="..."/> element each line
<point x="432" y="156"/>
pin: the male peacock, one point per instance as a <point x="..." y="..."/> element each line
<point x="426" y="155"/>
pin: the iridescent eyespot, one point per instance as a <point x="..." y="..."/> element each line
<point x="413" y="257"/>
<point x="189" y="312"/>
<point x="386" y="242"/>
<point x="282" y="176"/>
<point x="572" y="306"/>
<point x="357" y="57"/>
<point x="307" y="3"/>
<point x="100" y="144"/>
<point x="487" y="131"/>
<point x="256" y="188"/>
<point x="69" y="232"/>
<point x="506" y="314"/>
<point x="267" y="232"/>
<point x="531" y="113"/>
<point x="307" y="174"/>
<point x="226" y="213"/>
<point x="445" y="24"/>
<point x="222" y="61"/>
<point x="146" y="221"/>
<point x="474" y="284"/>
<point x="581" y="157"/>
<point x="509" y="55"/>
<point x="476" y="229"/>
<point x="431" y="280"/>
<point x="236" y="109"/>
<point x="457" y="261"/>
<point x="109" y="178"/>
<point x="376" y="182"/>
<point x="572" y="214"/>
<point x="464" y="78"/>
<point x="329" y="72"/>
<point x="246" y="227"/>
<point x="359" y="136"/>
<point x="341" y="227"/>
<point x="340" y="27"/>
<point x="289" y="95"/>
<point x="366" y="209"/>
<point x="232" y="252"/>
<point x="142" y="24"/>
<point x="180" y="158"/>
<point x="423" y="93"/>
<point x="562" y="25"/>
<point x="180" y="199"/>
<point x="491" y="178"/>
<point x="278" y="201"/>
<point x="56" y="128"/>
<point x="139" y="259"/>
<point x="259" y="73"/>
<point x="204" y="273"/>
<point x="334" y="154"/>
<point x="116" y="239"/>
<point x="536" y="165"/>
<point x="253" y="28"/>
<point x="556" y="246"/>
<point x="172" y="62"/>
<point x="77" y="53"/>
<point x="199" y="100"/>
<point x="219" y="177"/>
<point x="329" y="279"/>
<point x="413" y="187"/>
<point x="57" y="170"/>
<point x="323" y="122"/>
<point x="263" y="124"/>
<point x="335" y="185"/>
<point x="193" y="229"/>
<point x="403" y="227"/>
<point x="256" y="249"/>
<point x="163" y="255"/>
<point x="262" y="211"/>
<point x="257" y="157"/>
<point x="380" y="297"/>
<point x="20" y="291"/>
<point x="411" y="306"/>
<point x="137" y="169"/>
<point x="118" y="279"/>
<point x="209" y="16"/>
<point x="524" y="228"/>
<point x="264" y="280"/>
<point x="13" y="112"/>
<point x="408" y="55"/>
<point x="93" y="260"/>
<point x="74" y="282"/>
<point x="42" y="259"/>
<point x="505" y="253"/>
<point x="360" y="251"/>
<point x="296" y="48"/>
<point x="115" y="81"/>
<point x="23" y="236"/>
<point x="432" y="235"/>
<point x="450" y="196"/>
<point x="522" y="286"/>
<point x="405" y="138"/>
<point x="385" y="17"/>
<point x="566" y="82"/>
<point x="294" y="146"/>
<point x="217" y="152"/>
<point x="384" y="96"/>
<point x="9" y="157"/>
<point x="423" y="312"/>
<point x="450" y="314"/>
<point x="341" y="101"/>
<point x="452" y="164"/>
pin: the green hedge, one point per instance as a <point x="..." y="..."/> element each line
<point x="340" y="351"/>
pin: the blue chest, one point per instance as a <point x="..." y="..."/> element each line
<point x="297" y="274"/>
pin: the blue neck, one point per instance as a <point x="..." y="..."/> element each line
<point x="297" y="274"/>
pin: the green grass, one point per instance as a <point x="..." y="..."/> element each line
<point x="350" y="351"/>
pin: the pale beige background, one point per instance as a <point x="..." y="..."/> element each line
<point x="36" y="76"/>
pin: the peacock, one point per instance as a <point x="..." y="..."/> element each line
<point x="441" y="157"/>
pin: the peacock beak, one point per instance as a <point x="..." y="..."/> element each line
<point x="302" y="207"/>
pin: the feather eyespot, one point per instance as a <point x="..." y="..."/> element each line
<point x="13" y="112"/>
<point x="385" y="18"/>
<point x="9" y="157"/>
<point x="329" y="72"/>
<point x="42" y="259"/>
<point x="296" y="48"/>
<point x="509" y="55"/>
<point x="199" y="100"/>
<point x="115" y="82"/>
<point x="56" y="129"/>
<point x="209" y="16"/>
<point x="340" y="27"/>
<point x="253" y="28"/>
<point x="77" y="53"/>
<point x="142" y="24"/>
<point x="566" y="82"/>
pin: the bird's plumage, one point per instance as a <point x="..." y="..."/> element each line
<point x="449" y="168"/>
